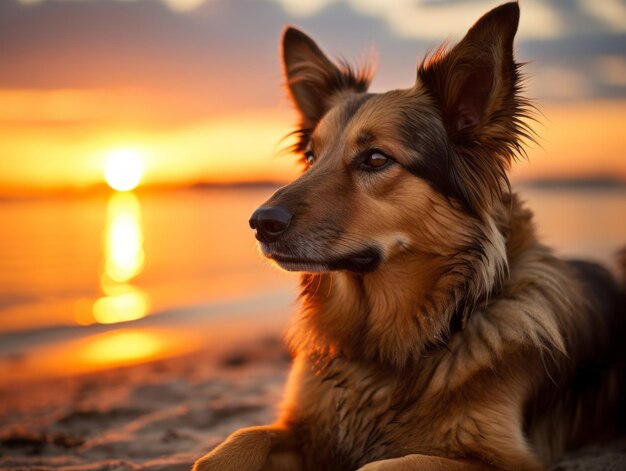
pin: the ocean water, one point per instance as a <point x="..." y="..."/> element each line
<point x="108" y="280"/>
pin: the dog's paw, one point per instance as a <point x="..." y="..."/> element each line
<point x="286" y="461"/>
<point x="394" y="464"/>
<point x="376" y="466"/>
<point x="226" y="462"/>
<point x="206" y="464"/>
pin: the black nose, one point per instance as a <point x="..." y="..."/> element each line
<point x="270" y="222"/>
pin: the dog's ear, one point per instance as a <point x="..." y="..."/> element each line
<point x="476" y="84"/>
<point x="314" y="81"/>
<point x="476" y="78"/>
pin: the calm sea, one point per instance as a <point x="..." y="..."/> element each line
<point x="110" y="280"/>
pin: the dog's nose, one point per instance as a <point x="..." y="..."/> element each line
<point x="270" y="222"/>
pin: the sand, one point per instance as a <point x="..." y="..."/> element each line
<point x="163" y="415"/>
<point x="156" y="416"/>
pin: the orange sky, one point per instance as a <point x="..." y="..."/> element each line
<point x="56" y="146"/>
<point x="196" y="91"/>
<point x="578" y="139"/>
<point x="230" y="148"/>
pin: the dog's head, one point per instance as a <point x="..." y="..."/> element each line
<point x="414" y="171"/>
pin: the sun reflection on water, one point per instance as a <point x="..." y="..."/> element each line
<point x="124" y="241"/>
<point x="121" y="307"/>
<point x="124" y="258"/>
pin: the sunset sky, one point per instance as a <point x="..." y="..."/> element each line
<point x="193" y="87"/>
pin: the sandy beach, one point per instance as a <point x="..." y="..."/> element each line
<point x="157" y="416"/>
<point x="165" y="414"/>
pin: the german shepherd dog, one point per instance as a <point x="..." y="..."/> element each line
<point x="436" y="332"/>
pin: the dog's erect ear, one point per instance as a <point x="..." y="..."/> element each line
<point x="476" y="85"/>
<point x="476" y="80"/>
<point x="313" y="80"/>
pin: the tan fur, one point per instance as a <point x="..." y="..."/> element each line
<point x="436" y="332"/>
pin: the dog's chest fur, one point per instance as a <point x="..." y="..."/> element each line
<point x="349" y="415"/>
<point x="350" y="409"/>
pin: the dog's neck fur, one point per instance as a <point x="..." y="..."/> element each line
<point x="373" y="316"/>
<point x="396" y="317"/>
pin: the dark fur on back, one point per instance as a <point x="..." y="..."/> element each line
<point x="570" y="408"/>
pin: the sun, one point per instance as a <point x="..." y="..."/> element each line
<point x="123" y="170"/>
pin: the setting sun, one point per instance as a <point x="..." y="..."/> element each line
<point x="123" y="170"/>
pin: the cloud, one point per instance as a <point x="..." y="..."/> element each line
<point x="559" y="83"/>
<point x="612" y="70"/>
<point x="183" y="5"/>
<point x="301" y="9"/>
<point x="223" y="54"/>
<point x="611" y="12"/>
<point x="425" y="19"/>
<point x="174" y="5"/>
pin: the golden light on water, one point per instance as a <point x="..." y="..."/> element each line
<point x="123" y="260"/>
<point x="123" y="170"/>
<point x="122" y="307"/>
<point x="124" y="238"/>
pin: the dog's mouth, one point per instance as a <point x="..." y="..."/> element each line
<point x="362" y="261"/>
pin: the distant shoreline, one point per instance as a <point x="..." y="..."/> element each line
<point x="544" y="183"/>
<point x="601" y="182"/>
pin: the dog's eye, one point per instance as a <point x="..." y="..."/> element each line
<point x="309" y="157"/>
<point x="375" y="160"/>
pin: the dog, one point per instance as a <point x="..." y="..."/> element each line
<point x="436" y="332"/>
